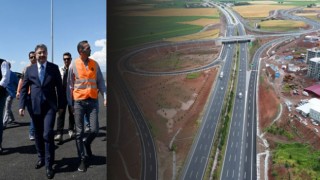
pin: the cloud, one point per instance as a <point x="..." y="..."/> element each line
<point x="24" y="62"/>
<point x="101" y="55"/>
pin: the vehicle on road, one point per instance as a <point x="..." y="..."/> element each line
<point x="221" y="74"/>
<point x="240" y="95"/>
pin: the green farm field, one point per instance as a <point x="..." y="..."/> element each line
<point x="134" y="30"/>
<point x="138" y="24"/>
<point x="299" y="159"/>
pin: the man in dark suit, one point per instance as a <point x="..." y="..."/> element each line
<point x="44" y="80"/>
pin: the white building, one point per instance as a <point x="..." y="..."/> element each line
<point x="311" y="53"/>
<point x="312" y="108"/>
<point x="314" y="68"/>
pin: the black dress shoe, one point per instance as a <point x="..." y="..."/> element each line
<point x="49" y="173"/>
<point x="39" y="164"/>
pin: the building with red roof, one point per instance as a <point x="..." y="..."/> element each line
<point x="315" y="89"/>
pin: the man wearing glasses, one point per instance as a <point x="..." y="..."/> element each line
<point x="60" y="120"/>
<point x="32" y="58"/>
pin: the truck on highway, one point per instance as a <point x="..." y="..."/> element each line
<point x="221" y="74"/>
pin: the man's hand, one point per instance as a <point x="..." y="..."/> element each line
<point x="21" y="112"/>
<point x="17" y="96"/>
<point x="105" y="102"/>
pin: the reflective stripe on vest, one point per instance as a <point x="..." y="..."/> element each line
<point x="85" y="84"/>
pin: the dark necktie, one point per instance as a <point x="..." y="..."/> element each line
<point x="41" y="75"/>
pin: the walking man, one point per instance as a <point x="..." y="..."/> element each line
<point x="84" y="80"/>
<point x="61" y="116"/>
<point x="44" y="80"/>
<point x="32" y="58"/>
<point x="11" y="90"/>
<point x="4" y="81"/>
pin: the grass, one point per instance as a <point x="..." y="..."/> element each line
<point x="173" y="4"/>
<point x="193" y="75"/>
<point x="286" y="88"/>
<point x="300" y="158"/>
<point x="129" y="31"/>
<point x="300" y="3"/>
<point x="273" y="129"/>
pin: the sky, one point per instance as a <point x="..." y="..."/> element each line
<point x="26" y="23"/>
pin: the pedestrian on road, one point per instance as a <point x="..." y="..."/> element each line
<point x="11" y="94"/>
<point x="61" y="117"/>
<point x="84" y="80"/>
<point x="32" y="58"/>
<point x="4" y="81"/>
<point x="44" y="81"/>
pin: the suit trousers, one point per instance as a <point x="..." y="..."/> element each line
<point x="89" y="108"/>
<point x="61" y="119"/>
<point x="44" y="134"/>
<point x="29" y="108"/>
<point x="8" y="115"/>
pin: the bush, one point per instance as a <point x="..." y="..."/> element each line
<point x="274" y="173"/>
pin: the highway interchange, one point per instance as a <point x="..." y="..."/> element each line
<point x="240" y="157"/>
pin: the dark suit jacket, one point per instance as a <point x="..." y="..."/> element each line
<point x="51" y="88"/>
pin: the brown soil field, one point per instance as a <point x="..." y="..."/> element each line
<point x="268" y="103"/>
<point x="175" y="57"/>
<point x="170" y="103"/>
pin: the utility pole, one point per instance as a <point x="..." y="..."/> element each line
<point x="52" y="31"/>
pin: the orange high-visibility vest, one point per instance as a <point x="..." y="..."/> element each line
<point x="85" y="84"/>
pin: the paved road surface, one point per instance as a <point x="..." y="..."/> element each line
<point x="19" y="156"/>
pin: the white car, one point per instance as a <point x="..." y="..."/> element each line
<point x="240" y="95"/>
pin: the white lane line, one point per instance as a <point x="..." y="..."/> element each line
<point x="190" y="175"/>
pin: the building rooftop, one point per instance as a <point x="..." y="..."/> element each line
<point x="316" y="59"/>
<point x="312" y="104"/>
<point x="315" y="49"/>
<point x="314" y="89"/>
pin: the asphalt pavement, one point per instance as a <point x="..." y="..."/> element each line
<point x="19" y="156"/>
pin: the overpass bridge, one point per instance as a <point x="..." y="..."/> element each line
<point x="234" y="39"/>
